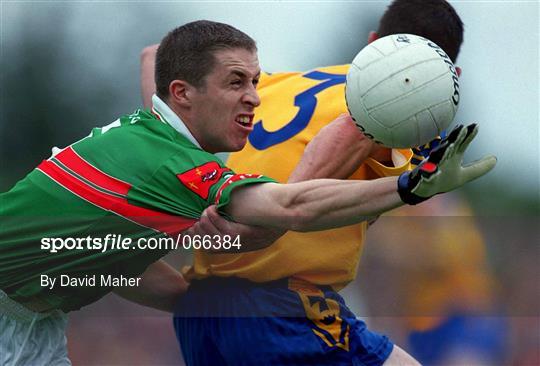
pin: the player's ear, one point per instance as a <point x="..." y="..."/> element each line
<point x="180" y="92"/>
<point x="373" y="36"/>
<point x="458" y="70"/>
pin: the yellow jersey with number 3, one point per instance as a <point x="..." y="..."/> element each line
<point x="294" y="107"/>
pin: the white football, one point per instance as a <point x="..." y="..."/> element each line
<point x="402" y="90"/>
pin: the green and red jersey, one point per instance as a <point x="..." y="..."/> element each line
<point x="144" y="175"/>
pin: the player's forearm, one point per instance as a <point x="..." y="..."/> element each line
<point x="314" y="205"/>
<point x="323" y="204"/>
<point x="148" y="85"/>
<point x="159" y="288"/>
<point x="332" y="203"/>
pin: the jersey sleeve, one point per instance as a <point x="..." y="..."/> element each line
<point x="189" y="182"/>
<point x="232" y="181"/>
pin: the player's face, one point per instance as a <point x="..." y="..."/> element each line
<point x="223" y="110"/>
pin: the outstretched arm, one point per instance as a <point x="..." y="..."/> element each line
<point x="313" y="205"/>
<point x="323" y="204"/>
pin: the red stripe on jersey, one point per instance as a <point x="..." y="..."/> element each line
<point x="155" y="113"/>
<point x="159" y="221"/>
<point x="231" y="180"/>
<point x="73" y="161"/>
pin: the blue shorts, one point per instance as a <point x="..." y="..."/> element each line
<point x="230" y="321"/>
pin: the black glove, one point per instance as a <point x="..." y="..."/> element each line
<point x="443" y="171"/>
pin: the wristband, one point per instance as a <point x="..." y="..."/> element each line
<point x="404" y="189"/>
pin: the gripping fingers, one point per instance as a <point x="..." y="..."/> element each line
<point x="205" y="226"/>
<point x="478" y="168"/>
<point x="224" y="226"/>
<point x="214" y="216"/>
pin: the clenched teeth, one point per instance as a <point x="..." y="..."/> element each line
<point x="243" y="120"/>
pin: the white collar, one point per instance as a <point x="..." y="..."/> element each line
<point x="166" y="115"/>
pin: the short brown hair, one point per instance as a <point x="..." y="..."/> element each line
<point x="187" y="52"/>
<point x="435" y="20"/>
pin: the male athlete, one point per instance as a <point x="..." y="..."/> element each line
<point x="151" y="174"/>
<point x="243" y="322"/>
